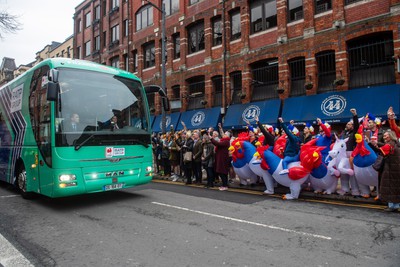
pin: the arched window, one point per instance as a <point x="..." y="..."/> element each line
<point x="144" y="17"/>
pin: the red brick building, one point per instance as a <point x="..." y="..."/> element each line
<point x="221" y="53"/>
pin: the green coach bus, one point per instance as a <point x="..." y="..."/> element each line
<point x="70" y="127"/>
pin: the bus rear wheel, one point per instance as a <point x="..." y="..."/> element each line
<point x="21" y="182"/>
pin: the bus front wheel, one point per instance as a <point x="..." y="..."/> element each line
<point x="21" y="182"/>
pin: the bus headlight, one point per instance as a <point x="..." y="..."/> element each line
<point x="67" y="177"/>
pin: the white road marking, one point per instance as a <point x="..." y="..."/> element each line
<point x="10" y="196"/>
<point x="244" y="221"/>
<point x="10" y="256"/>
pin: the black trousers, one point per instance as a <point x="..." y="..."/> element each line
<point x="197" y="171"/>
<point x="188" y="172"/>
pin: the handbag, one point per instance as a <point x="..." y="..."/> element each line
<point x="379" y="162"/>
<point x="187" y="157"/>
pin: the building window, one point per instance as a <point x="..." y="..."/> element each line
<point x="171" y="6"/>
<point x="196" y="87"/>
<point x="295" y="10"/>
<point x="349" y="2"/>
<point x="126" y="62"/>
<point x="79" y="25"/>
<point x="78" y="52"/>
<point x="263" y="15"/>
<point x="97" y="43"/>
<point x="176" y="90"/>
<point x="115" y="62"/>
<point x="104" y="39"/>
<point x="322" y="6"/>
<point x="265" y="79"/>
<point x="236" y="86"/>
<point x="126" y="27"/>
<point x="371" y="60"/>
<point x="217" y="90"/>
<point x="326" y="70"/>
<point x="88" y="19"/>
<point x="297" y="77"/>
<point x="144" y="17"/>
<point x="114" y="4"/>
<point x="196" y="37"/>
<point x="192" y="2"/>
<point x="217" y="30"/>
<point x="235" y="25"/>
<point x="97" y="12"/>
<point x="87" y="48"/>
<point x="149" y="52"/>
<point x="104" y="5"/>
<point x="177" y="45"/>
<point x="135" y="61"/>
<point x="115" y="33"/>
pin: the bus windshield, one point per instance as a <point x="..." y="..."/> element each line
<point x="96" y="108"/>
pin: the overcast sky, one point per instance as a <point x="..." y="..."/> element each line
<point x="43" y="21"/>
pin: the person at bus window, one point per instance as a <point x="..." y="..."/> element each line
<point x="112" y="124"/>
<point x="73" y="125"/>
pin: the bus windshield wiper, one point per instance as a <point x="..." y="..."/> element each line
<point x="78" y="146"/>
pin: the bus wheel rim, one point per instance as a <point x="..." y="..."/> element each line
<point x="22" y="181"/>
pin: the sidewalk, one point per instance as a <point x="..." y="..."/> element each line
<point x="281" y="190"/>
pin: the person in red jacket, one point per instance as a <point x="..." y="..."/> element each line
<point x="222" y="162"/>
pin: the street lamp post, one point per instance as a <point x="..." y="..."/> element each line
<point x="163" y="49"/>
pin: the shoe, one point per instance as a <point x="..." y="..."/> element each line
<point x="223" y="188"/>
<point x="285" y="171"/>
<point x="175" y="179"/>
<point x="390" y="209"/>
<point x="241" y="185"/>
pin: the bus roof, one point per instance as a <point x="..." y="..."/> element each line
<point x="77" y="64"/>
<point x="87" y="65"/>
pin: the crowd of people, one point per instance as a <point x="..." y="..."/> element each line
<point x="186" y="153"/>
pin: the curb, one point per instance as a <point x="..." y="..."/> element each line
<point x="281" y="190"/>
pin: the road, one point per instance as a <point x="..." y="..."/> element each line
<point x="172" y="225"/>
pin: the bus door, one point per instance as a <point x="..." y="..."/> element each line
<point x="40" y="113"/>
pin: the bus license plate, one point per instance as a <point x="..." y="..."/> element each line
<point x="113" y="186"/>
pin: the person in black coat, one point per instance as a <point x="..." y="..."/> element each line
<point x="73" y="125"/>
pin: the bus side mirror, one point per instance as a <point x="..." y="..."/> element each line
<point x="157" y="89"/>
<point x="52" y="91"/>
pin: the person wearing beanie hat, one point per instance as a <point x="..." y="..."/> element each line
<point x="293" y="129"/>
<point x="253" y="138"/>
<point x="373" y="128"/>
<point x="269" y="136"/>
<point x="292" y="148"/>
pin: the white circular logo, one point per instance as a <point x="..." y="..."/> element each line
<point x="198" y="118"/>
<point x="251" y="112"/>
<point x="167" y="122"/>
<point x="333" y="105"/>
